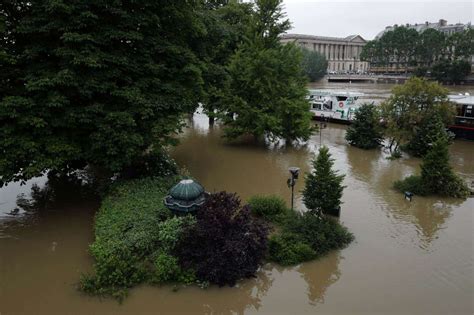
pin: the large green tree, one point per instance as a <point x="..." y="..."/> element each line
<point x="226" y="23"/>
<point x="408" y="106"/>
<point x="267" y="91"/>
<point x="94" y="82"/>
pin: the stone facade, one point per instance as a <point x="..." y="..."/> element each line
<point x="343" y="54"/>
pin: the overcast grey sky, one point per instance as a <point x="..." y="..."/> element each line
<point x="367" y="18"/>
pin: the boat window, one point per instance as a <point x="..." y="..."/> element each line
<point x="341" y="98"/>
<point x="317" y="106"/>
<point x="327" y="106"/>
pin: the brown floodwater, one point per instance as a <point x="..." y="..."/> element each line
<point x="408" y="257"/>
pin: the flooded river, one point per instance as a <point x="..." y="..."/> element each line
<point x="408" y="257"/>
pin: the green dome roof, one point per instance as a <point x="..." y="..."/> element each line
<point x="186" y="189"/>
<point x="186" y="196"/>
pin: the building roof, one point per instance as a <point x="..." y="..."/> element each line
<point x="322" y="38"/>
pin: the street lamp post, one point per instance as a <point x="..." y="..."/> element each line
<point x="294" y="172"/>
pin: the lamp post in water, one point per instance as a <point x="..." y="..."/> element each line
<point x="294" y="172"/>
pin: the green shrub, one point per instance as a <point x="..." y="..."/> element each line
<point x="127" y="234"/>
<point x="305" y="237"/>
<point x="287" y="249"/>
<point x="170" y="231"/>
<point x="412" y="184"/>
<point x="166" y="268"/>
<point x="271" y="208"/>
<point x="321" y="233"/>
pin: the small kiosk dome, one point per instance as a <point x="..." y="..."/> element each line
<point x="185" y="197"/>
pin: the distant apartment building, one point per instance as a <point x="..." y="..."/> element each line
<point x="343" y="54"/>
<point x="441" y="25"/>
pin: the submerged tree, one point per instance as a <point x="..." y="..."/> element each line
<point x="437" y="176"/>
<point x="92" y="82"/>
<point x="430" y="129"/>
<point x="365" y="131"/>
<point x="323" y="186"/>
<point x="226" y="23"/>
<point x="409" y="104"/>
<point x="267" y="89"/>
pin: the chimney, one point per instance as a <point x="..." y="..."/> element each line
<point x="442" y="22"/>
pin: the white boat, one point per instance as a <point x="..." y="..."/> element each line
<point x="336" y="106"/>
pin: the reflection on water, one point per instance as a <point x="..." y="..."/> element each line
<point x="320" y="275"/>
<point x="408" y="258"/>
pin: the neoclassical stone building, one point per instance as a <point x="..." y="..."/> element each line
<point x="343" y="54"/>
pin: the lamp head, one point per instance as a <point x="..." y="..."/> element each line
<point x="294" y="171"/>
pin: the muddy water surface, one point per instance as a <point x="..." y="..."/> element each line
<point x="408" y="258"/>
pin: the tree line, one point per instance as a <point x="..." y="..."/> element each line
<point x="446" y="56"/>
<point x="103" y="84"/>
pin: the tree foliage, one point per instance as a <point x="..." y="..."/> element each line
<point x="437" y="176"/>
<point x="226" y="244"/>
<point x="430" y="129"/>
<point x="226" y="23"/>
<point x="365" y="131"/>
<point x="314" y="65"/>
<point x="92" y="82"/>
<point x="267" y="90"/>
<point x="446" y="55"/>
<point x="323" y="186"/>
<point x="408" y="106"/>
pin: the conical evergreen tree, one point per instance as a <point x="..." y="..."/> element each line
<point x="431" y="128"/>
<point x="323" y="186"/>
<point x="365" y="131"/>
<point x="437" y="175"/>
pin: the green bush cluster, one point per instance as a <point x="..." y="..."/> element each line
<point x="270" y="208"/>
<point x="437" y="176"/>
<point x="298" y="237"/>
<point x="134" y="236"/>
<point x="304" y="237"/>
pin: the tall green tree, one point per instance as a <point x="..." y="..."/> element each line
<point x="267" y="91"/>
<point x="323" y="186"/>
<point x="409" y="104"/>
<point x="430" y="129"/>
<point x="314" y="65"/>
<point x="438" y="176"/>
<point x="431" y="47"/>
<point x="94" y="82"/>
<point x="365" y="131"/>
<point x="226" y="25"/>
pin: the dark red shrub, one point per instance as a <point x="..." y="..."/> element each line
<point x="226" y="244"/>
